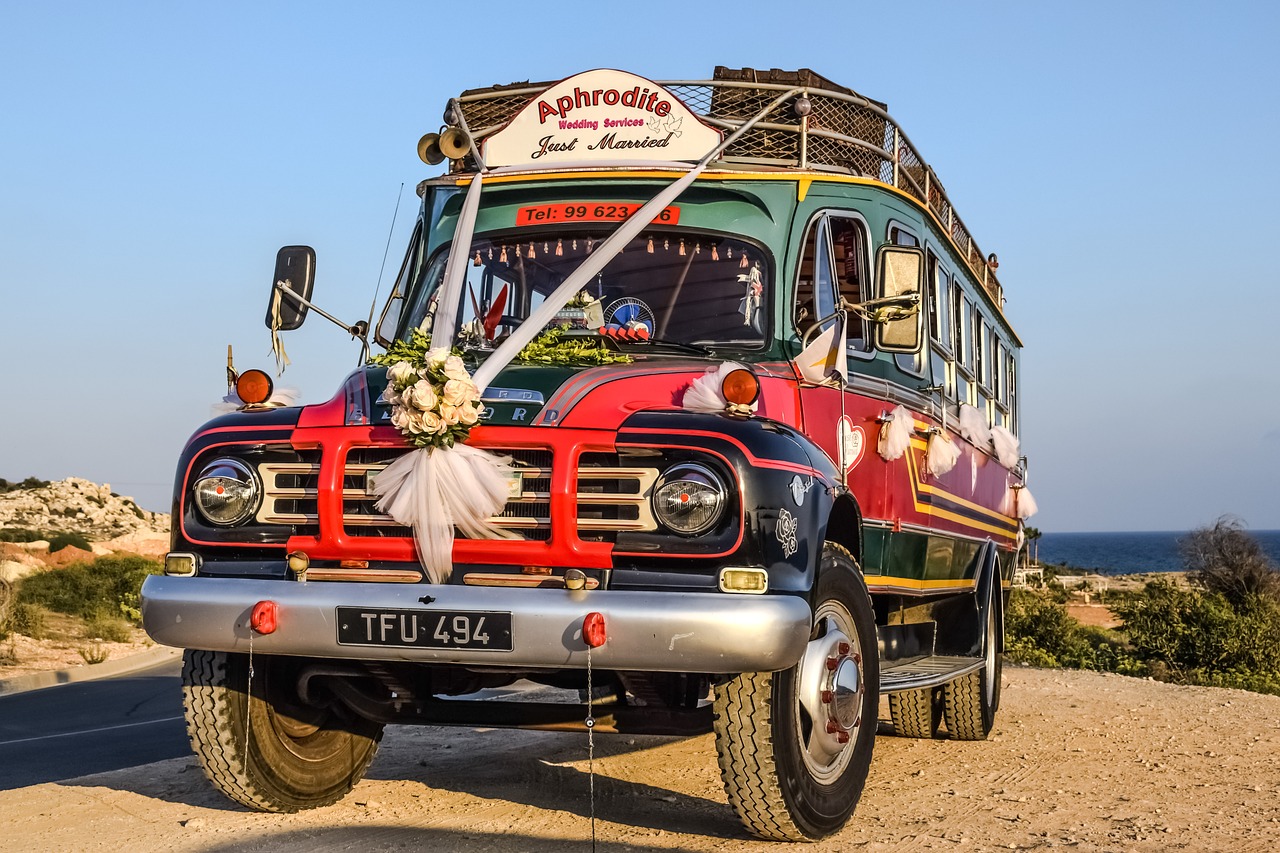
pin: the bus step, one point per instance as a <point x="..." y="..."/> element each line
<point x="928" y="671"/>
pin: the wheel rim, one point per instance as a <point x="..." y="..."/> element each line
<point x="830" y="694"/>
<point x="990" y="662"/>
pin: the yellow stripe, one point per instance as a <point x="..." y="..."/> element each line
<point x="1008" y="528"/>
<point x="905" y="583"/>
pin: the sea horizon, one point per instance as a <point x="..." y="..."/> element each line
<point x="1129" y="552"/>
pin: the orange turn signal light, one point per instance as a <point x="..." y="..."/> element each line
<point x="254" y="386"/>
<point x="740" y="387"/>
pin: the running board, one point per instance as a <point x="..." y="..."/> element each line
<point x="917" y="673"/>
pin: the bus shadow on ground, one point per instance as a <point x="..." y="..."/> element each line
<point x="376" y="837"/>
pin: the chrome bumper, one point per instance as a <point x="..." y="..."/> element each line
<point x="646" y="631"/>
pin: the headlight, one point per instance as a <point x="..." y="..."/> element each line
<point x="690" y="499"/>
<point x="226" y="492"/>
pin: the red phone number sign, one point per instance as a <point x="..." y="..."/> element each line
<point x="589" y="212"/>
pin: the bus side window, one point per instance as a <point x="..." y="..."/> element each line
<point x="815" y="290"/>
<point x="848" y="244"/>
<point x="942" y="353"/>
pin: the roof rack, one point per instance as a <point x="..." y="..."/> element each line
<point x="842" y="133"/>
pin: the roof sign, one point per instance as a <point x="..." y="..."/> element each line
<point x="601" y="115"/>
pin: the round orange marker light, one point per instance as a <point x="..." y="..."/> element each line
<point x="740" y="387"/>
<point x="254" y="386"/>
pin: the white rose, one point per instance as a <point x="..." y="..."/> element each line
<point x="455" y="369"/>
<point x="408" y="398"/>
<point x="417" y="423"/>
<point x="449" y="414"/>
<point x="468" y="415"/>
<point x="390" y="395"/>
<point x="437" y="357"/>
<point x="431" y="423"/>
<point x="401" y="373"/>
<point x="400" y="418"/>
<point x="424" y="395"/>
<point x="457" y="391"/>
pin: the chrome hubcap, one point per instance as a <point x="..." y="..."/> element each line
<point x="831" y="693"/>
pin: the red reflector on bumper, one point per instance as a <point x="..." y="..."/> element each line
<point x="265" y="617"/>
<point x="593" y="630"/>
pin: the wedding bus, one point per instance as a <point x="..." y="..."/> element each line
<point x="695" y="407"/>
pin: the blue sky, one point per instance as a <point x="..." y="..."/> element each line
<point x="1118" y="156"/>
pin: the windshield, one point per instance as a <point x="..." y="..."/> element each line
<point x="683" y="288"/>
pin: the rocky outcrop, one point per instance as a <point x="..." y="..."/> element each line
<point x="75" y="505"/>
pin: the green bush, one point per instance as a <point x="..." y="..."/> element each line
<point x="1197" y="631"/>
<point x="111" y="629"/>
<point x="26" y="619"/>
<point x="1039" y="632"/>
<point x="58" y="541"/>
<point x="20" y="534"/>
<point x="104" y="588"/>
<point x="29" y="483"/>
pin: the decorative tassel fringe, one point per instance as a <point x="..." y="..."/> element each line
<point x="942" y="454"/>
<point x="1005" y="445"/>
<point x="895" y="434"/>
<point x="704" y="394"/>
<point x="434" y="490"/>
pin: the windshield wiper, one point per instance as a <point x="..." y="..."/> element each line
<point x="697" y="349"/>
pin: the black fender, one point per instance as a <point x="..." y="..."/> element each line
<point x="788" y="487"/>
<point x="961" y="620"/>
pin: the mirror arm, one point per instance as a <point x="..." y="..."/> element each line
<point x="359" y="330"/>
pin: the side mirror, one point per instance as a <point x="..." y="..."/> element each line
<point x="900" y="324"/>
<point x="296" y="267"/>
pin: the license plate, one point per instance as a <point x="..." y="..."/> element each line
<point x="485" y="630"/>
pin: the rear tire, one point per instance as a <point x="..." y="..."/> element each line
<point x="916" y="713"/>
<point x="795" y="746"/>
<point x="971" y="701"/>
<point x="268" y="751"/>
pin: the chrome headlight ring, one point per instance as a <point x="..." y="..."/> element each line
<point x="690" y="498"/>
<point x="227" y="492"/>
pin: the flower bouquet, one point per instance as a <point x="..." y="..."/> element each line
<point x="444" y="484"/>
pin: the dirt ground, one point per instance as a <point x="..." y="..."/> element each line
<point x="68" y="648"/>
<point x="1078" y="760"/>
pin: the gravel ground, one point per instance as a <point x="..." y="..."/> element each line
<point x="1077" y="760"/>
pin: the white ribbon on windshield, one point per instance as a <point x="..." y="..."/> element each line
<point x="613" y="244"/>
<point x="595" y="262"/>
<point x="455" y="269"/>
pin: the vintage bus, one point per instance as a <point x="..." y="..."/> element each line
<point x="747" y="387"/>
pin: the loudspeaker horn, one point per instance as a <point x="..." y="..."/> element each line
<point x="429" y="149"/>
<point x="455" y="143"/>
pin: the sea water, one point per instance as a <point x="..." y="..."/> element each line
<point x="1130" y="553"/>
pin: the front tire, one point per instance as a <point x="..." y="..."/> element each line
<point x="259" y="744"/>
<point x="795" y="746"/>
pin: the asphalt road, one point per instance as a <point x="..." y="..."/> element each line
<point x="90" y="727"/>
